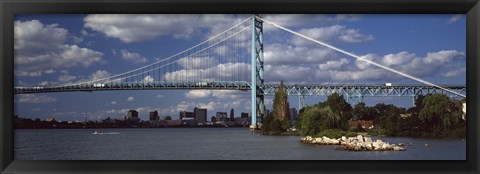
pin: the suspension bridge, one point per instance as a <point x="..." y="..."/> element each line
<point x="234" y="60"/>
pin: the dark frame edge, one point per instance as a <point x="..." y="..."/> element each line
<point x="6" y="76"/>
<point x="473" y="72"/>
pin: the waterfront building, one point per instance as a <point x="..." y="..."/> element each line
<point x="232" y="118"/>
<point x="221" y="116"/>
<point x="185" y="114"/>
<point x="213" y="119"/>
<point x="168" y="118"/>
<point x="154" y="116"/>
<point x="363" y="123"/>
<point x="244" y="115"/>
<point x="189" y="121"/>
<point x="200" y="115"/>
<point x="133" y="116"/>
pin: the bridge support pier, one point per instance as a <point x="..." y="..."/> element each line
<point x="301" y="102"/>
<point x="258" y="106"/>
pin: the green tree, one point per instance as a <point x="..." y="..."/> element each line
<point x="360" y="111"/>
<point x="281" y="106"/>
<point x="278" y="122"/>
<point x="339" y="106"/>
<point x="388" y="118"/>
<point x="315" y="119"/>
<point x="439" y="113"/>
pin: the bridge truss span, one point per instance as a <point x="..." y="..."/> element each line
<point x="217" y="85"/>
<point x="363" y="90"/>
<point x="354" y="93"/>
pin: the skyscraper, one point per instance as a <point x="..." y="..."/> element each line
<point x="154" y="116"/>
<point x="133" y="116"/>
<point x="200" y="115"/>
<point x="231" y="115"/>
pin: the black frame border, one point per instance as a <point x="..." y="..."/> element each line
<point x="8" y="9"/>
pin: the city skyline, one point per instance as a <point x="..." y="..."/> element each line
<point x="80" y="47"/>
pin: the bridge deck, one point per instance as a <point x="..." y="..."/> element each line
<point x="361" y="90"/>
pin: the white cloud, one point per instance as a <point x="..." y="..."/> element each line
<point x="50" y="71"/>
<point x="288" y="73"/>
<point x="130" y="99"/>
<point x="354" y="36"/>
<point x="347" y="17"/>
<point x="148" y="79"/>
<point x="40" y="47"/>
<point x="229" y="94"/>
<point x="160" y="96"/>
<point x="229" y="71"/>
<point x="321" y="33"/>
<point x="99" y="74"/>
<point x="333" y="64"/>
<point x="455" y="18"/>
<point x="44" y="83"/>
<point x="133" y="57"/>
<point x="66" y="78"/>
<point x="341" y="32"/>
<point x="28" y="74"/>
<point x="282" y="54"/>
<point x="455" y="73"/>
<point x="194" y="94"/>
<point x="139" y="27"/>
<point x="34" y="98"/>
<point x="433" y="64"/>
<point x="197" y="62"/>
<point x="113" y="103"/>
<point x="217" y="94"/>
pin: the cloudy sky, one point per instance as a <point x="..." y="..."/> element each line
<point x="59" y="49"/>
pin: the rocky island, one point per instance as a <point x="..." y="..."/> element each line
<point x="358" y="143"/>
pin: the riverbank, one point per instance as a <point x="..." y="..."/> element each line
<point x="358" y="143"/>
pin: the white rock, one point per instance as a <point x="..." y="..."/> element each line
<point x="369" y="146"/>
<point x="344" y="138"/>
<point x="335" y="142"/>
<point x="360" y="138"/>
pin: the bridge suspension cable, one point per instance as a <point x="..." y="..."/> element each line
<point x="176" y="61"/>
<point x="190" y="52"/>
<point x="358" y="57"/>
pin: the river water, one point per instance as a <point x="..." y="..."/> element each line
<point x="208" y="144"/>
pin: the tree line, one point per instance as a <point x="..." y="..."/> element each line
<point x="434" y="115"/>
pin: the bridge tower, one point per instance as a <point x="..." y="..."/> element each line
<point x="258" y="106"/>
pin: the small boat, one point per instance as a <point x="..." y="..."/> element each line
<point x="95" y="133"/>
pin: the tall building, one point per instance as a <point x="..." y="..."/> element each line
<point x="154" y="116"/>
<point x="244" y="115"/>
<point x="133" y="115"/>
<point x="200" y="115"/>
<point x="231" y="115"/>
<point x="221" y="116"/>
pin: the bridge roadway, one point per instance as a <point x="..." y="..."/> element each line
<point x="352" y="90"/>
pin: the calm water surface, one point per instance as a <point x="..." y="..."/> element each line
<point x="207" y="144"/>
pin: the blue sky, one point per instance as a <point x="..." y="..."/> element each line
<point x="59" y="49"/>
